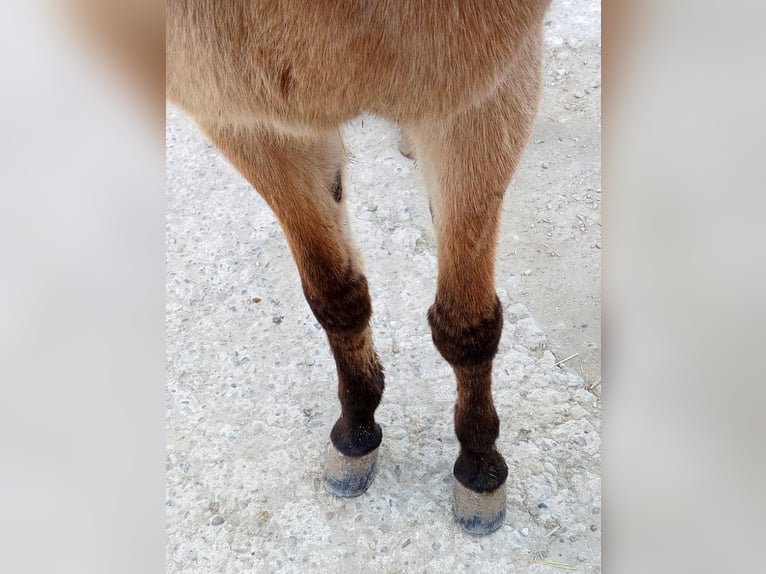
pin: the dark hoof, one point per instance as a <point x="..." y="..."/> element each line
<point x="479" y="512"/>
<point x="349" y="476"/>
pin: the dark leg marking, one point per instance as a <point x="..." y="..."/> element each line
<point x="336" y="188"/>
<point x="465" y="345"/>
<point x="342" y="303"/>
<point x="480" y="472"/>
<point x="360" y="389"/>
<point x="344" y="310"/>
<point x="470" y="348"/>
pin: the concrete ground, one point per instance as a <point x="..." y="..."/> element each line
<point x="251" y="392"/>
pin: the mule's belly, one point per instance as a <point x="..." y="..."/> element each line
<point x="303" y="65"/>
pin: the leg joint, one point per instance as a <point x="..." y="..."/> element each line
<point x="465" y="344"/>
<point x="342" y="305"/>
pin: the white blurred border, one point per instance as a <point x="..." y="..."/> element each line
<point x="684" y="283"/>
<point x="81" y="307"/>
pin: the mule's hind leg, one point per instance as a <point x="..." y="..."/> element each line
<point x="467" y="163"/>
<point x="300" y="179"/>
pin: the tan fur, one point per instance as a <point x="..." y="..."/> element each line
<point x="461" y="75"/>
<point x="270" y="82"/>
<point x="321" y="62"/>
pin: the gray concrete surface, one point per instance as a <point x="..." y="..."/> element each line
<point x="251" y="393"/>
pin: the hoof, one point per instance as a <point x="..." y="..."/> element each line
<point x="349" y="476"/>
<point x="479" y="512"/>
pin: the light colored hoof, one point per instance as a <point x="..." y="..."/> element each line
<point x="479" y="513"/>
<point x="349" y="476"/>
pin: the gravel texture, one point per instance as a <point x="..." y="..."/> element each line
<point x="251" y="390"/>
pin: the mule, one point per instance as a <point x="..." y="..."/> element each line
<point x="270" y="83"/>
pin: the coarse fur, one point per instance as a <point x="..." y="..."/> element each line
<point x="270" y="82"/>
